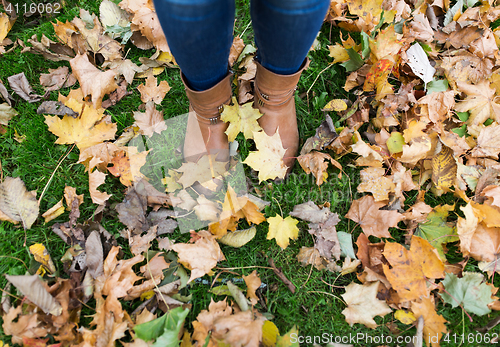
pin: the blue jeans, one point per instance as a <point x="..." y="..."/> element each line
<point x="200" y="33"/>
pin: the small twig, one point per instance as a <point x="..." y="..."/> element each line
<point x="326" y="68"/>
<point x="420" y="332"/>
<point x="309" y="276"/>
<point x="279" y="207"/>
<point x="493" y="323"/>
<point x="281" y="275"/>
<point x="53" y="173"/>
<point x="332" y="285"/>
<point x="249" y="23"/>
<point x="8" y="256"/>
<point x="244" y="267"/>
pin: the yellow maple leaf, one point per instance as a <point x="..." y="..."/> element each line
<point x="127" y="165"/>
<point x="241" y="119"/>
<point x="282" y="230"/>
<point x="268" y="160"/>
<point x="480" y="102"/>
<point x="83" y="130"/>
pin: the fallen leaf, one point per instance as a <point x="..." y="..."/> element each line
<point x="241" y="119"/>
<point x="17" y="203"/>
<point x="127" y="165"/>
<point x="317" y="163"/>
<point x="363" y="305"/>
<point x="19" y="83"/>
<point x="373" y="181"/>
<point x="57" y="79"/>
<point x="433" y="323"/>
<point x="444" y="169"/>
<point x="141" y="243"/>
<point x="151" y="121"/>
<point x="411" y="268"/>
<point x="96" y="178"/>
<point x="6" y="114"/>
<point x="268" y="160"/>
<point x="310" y="212"/>
<point x="282" y="230"/>
<point x="85" y="131"/>
<point x="236" y="49"/>
<point x="488" y="142"/>
<point x="93" y="81"/>
<point x="153" y="92"/>
<point x="132" y="211"/>
<point x="238" y="238"/>
<point x="56" y="108"/>
<point x="26" y="325"/>
<point x="493" y="192"/>
<point x="201" y="255"/>
<point x="33" y="288"/>
<point x="253" y="283"/>
<point x="366" y="211"/>
<point x="469" y="291"/>
<point x="480" y="102"/>
<point x="54" y="212"/>
<point x="42" y="256"/>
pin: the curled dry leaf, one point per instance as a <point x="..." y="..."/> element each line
<point x="34" y="289"/>
<point x="57" y="79"/>
<point x="19" y="83"/>
<point x="6" y="114"/>
<point x="17" y="203"/>
<point x="317" y="163"/>
<point x="201" y="255"/>
<point x="253" y="283"/>
<point x="54" y="212"/>
<point x="56" y="108"/>
<point x="93" y="81"/>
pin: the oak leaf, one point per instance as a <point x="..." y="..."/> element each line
<point x="268" y="160"/>
<point x="363" y="305"/>
<point x="282" y="230"/>
<point x="92" y="80"/>
<point x="201" y="255"/>
<point x="411" y="268"/>
<point x="241" y="119"/>
<point x="153" y="92"/>
<point x="366" y="211"/>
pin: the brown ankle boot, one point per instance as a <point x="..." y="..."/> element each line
<point x="275" y="98"/>
<point x="205" y="130"/>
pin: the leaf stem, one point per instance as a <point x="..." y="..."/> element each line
<point x="53" y="173"/>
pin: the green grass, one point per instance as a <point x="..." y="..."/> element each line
<point x="316" y="306"/>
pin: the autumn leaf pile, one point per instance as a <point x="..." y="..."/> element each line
<point x="423" y="119"/>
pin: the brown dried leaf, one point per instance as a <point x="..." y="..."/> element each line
<point x="17" y="203"/>
<point x="19" y="83"/>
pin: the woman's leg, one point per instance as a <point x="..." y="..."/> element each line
<point x="285" y="30"/>
<point x="199" y="34"/>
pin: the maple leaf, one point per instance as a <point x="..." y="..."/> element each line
<point x="468" y="291"/>
<point x="20" y="325"/>
<point x="204" y="171"/>
<point x="437" y="230"/>
<point x="411" y="268"/>
<point x="282" y="230"/>
<point x="433" y="323"/>
<point x="488" y="142"/>
<point x="253" y="283"/>
<point x="480" y="102"/>
<point x="241" y="119"/>
<point x="92" y="80"/>
<point x="201" y="256"/>
<point x="317" y="163"/>
<point x="153" y="92"/>
<point x="127" y="165"/>
<point x="366" y="211"/>
<point x="268" y="160"/>
<point x="373" y="181"/>
<point x="363" y="305"/>
<point x="151" y="121"/>
<point x="85" y="131"/>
